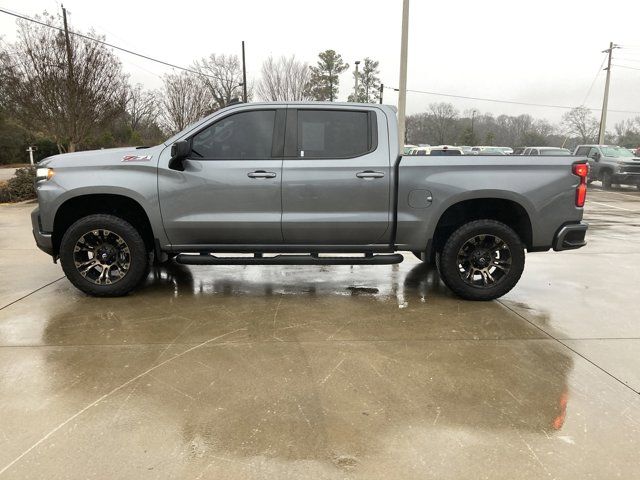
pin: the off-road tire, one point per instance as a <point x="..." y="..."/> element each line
<point x="138" y="261"/>
<point x="449" y="268"/>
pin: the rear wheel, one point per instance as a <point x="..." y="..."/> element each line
<point x="103" y="255"/>
<point x="606" y="180"/>
<point x="482" y="260"/>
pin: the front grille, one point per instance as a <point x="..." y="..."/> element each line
<point x="630" y="169"/>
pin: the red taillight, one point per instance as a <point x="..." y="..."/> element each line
<point x="582" y="171"/>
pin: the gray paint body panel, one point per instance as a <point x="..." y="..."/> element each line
<point x="325" y="203"/>
<point x="102" y="172"/>
<point x="543" y="186"/>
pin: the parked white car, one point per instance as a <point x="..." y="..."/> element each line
<point x="549" y="151"/>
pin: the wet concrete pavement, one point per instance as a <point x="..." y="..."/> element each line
<point x="325" y="372"/>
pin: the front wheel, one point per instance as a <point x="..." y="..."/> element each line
<point x="482" y="260"/>
<point x="606" y="180"/>
<point x="104" y="256"/>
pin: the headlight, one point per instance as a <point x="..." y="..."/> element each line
<point x="44" y="173"/>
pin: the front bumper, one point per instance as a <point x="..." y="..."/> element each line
<point x="627" y="178"/>
<point x="43" y="239"/>
<point x="570" y="236"/>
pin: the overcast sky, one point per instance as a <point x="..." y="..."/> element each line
<point x="538" y="51"/>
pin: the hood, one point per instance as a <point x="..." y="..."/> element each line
<point x="103" y="157"/>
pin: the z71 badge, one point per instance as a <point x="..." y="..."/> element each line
<point x="136" y="158"/>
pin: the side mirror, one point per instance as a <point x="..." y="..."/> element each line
<point x="596" y="156"/>
<point x="179" y="151"/>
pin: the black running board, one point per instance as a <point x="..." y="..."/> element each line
<point x="209" y="259"/>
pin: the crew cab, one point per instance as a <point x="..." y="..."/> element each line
<point x="298" y="183"/>
<point x="611" y="165"/>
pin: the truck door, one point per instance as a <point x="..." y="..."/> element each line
<point x="594" y="162"/>
<point x="336" y="177"/>
<point x="230" y="189"/>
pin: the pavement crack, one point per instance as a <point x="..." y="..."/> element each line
<point x="322" y="382"/>
<point x="621" y="382"/>
<point x="30" y="293"/>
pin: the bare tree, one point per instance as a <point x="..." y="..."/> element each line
<point x="142" y="106"/>
<point x="628" y="132"/>
<point x="68" y="98"/>
<point x="184" y="99"/>
<point x="442" y="119"/>
<point x="285" y="79"/>
<point x="581" y="123"/>
<point x="222" y="76"/>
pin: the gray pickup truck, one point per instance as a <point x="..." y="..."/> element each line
<point x="298" y="183"/>
<point x="611" y="165"/>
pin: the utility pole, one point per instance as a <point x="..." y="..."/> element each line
<point x="355" y="89"/>
<point x="71" y="100"/>
<point x="381" y="92"/>
<point x="473" y="117"/>
<point x="605" y="102"/>
<point x="31" y="150"/>
<point x="244" y="76"/>
<point x="67" y="42"/>
<point x="402" y="94"/>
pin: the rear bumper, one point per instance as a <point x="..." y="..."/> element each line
<point x="43" y="239"/>
<point x="570" y="236"/>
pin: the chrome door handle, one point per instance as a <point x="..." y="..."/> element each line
<point x="261" y="174"/>
<point x="369" y="174"/>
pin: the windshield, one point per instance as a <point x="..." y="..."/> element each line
<point x="175" y="137"/>
<point x="616" y="152"/>
<point x="554" y="151"/>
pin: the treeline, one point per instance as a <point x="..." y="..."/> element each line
<point x="63" y="95"/>
<point x="444" y="124"/>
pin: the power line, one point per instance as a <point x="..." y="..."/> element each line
<point x="604" y="59"/>
<point x="628" y="59"/>
<point x="86" y="37"/>
<point x="625" y="66"/>
<point x="511" y="102"/>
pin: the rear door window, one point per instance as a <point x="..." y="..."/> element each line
<point x="335" y="133"/>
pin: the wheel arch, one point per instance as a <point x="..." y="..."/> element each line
<point x="122" y="206"/>
<point x="508" y="211"/>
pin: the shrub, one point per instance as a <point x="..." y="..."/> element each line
<point x="20" y="187"/>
